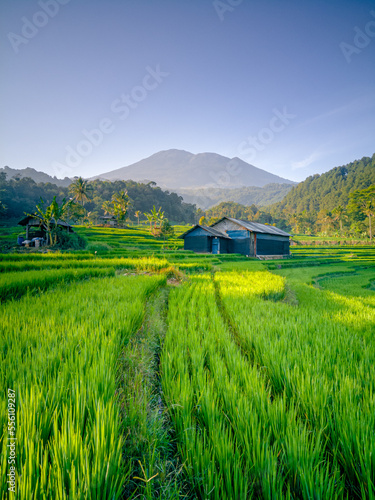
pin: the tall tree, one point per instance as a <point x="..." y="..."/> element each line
<point x="325" y="220"/>
<point x="121" y="203"/>
<point x="118" y="206"/>
<point x="338" y="214"/>
<point x="108" y="208"/>
<point x="137" y="213"/>
<point x="363" y="200"/>
<point x="81" y="190"/>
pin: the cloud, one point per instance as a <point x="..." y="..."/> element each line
<point x="306" y="161"/>
<point x="357" y="105"/>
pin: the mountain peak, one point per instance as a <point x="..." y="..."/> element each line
<point x="176" y="169"/>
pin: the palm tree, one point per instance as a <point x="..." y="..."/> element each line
<point x="137" y="214"/>
<point x="338" y="214"/>
<point x="80" y="189"/>
<point x="108" y="208"/>
<point x="121" y="203"/>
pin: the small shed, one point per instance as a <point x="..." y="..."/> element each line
<point x="203" y="239"/>
<point x="254" y="239"/>
<point x="40" y="229"/>
<point x="109" y="219"/>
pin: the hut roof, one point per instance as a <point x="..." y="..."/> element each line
<point x="33" y="221"/>
<point x="255" y="227"/>
<point x="210" y="230"/>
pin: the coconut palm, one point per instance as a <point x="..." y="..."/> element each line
<point x="80" y="189"/>
<point x="137" y="214"/>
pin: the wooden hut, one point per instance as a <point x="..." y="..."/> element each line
<point x="39" y="228"/>
<point x="230" y="235"/>
<point x="254" y="239"/>
<point x="109" y="220"/>
<point x="203" y="239"/>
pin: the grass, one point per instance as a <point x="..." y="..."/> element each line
<point x="15" y="285"/>
<point x="59" y="352"/>
<point x="245" y="379"/>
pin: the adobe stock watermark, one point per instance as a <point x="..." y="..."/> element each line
<point x="31" y="27"/>
<point x="249" y="148"/>
<point x="254" y="144"/>
<point x="222" y="7"/>
<point x="362" y="38"/>
<point x="121" y="108"/>
<point x="225" y="177"/>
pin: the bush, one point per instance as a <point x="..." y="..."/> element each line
<point x="70" y="241"/>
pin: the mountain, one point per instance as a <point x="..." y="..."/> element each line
<point x="206" y="198"/>
<point x="35" y="176"/>
<point x="177" y="169"/>
<point x="329" y="190"/>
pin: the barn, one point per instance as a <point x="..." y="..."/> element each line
<point x="205" y="239"/>
<point x="237" y="236"/>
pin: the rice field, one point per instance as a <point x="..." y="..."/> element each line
<point x="59" y="355"/>
<point x="270" y="399"/>
<point x="235" y="379"/>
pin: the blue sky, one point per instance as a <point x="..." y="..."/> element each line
<point x="89" y="86"/>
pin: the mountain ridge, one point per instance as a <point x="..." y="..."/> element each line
<point x="35" y="175"/>
<point x="329" y="190"/>
<point x="180" y="169"/>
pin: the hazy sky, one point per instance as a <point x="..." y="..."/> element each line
<point x="91" y="85"/>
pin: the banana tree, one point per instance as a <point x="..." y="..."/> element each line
<point x="50" y="216"/>
<point x="155" y="217"/>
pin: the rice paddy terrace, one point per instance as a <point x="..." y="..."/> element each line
<point x="136" y="369"/>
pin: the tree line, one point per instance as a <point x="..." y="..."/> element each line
<point x="20" y="196"/>
<point x="338" y="203"/>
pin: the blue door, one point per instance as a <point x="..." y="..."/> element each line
<point x="215" y="245"/>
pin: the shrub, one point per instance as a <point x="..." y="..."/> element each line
<point x="70" y="241"/>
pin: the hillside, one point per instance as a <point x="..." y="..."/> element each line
<point x="35" y="175"/>
<point x="249" y="195"/>
<point x="177" y="169"/>
<point x="329" y="190"/>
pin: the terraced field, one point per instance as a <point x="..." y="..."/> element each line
<point x="142" y="371"/>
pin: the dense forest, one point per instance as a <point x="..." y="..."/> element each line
<point x="340" y="202"/>
<point x="329" y="190"/>
<point x="20" y="195"/>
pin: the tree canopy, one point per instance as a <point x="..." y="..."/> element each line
<point x="22" y="195"/>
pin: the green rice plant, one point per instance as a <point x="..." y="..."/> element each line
<point x="59" y="353"/>
<point x="319" y="357"/>
<point x="238" y="440"/>
<point x="141" y="264"/>
<point x="15" y="285"/>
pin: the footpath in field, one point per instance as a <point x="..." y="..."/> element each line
<point x="270" y="398"/>
<point x="265" y="387"/>
<point x="59" y="357"/>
